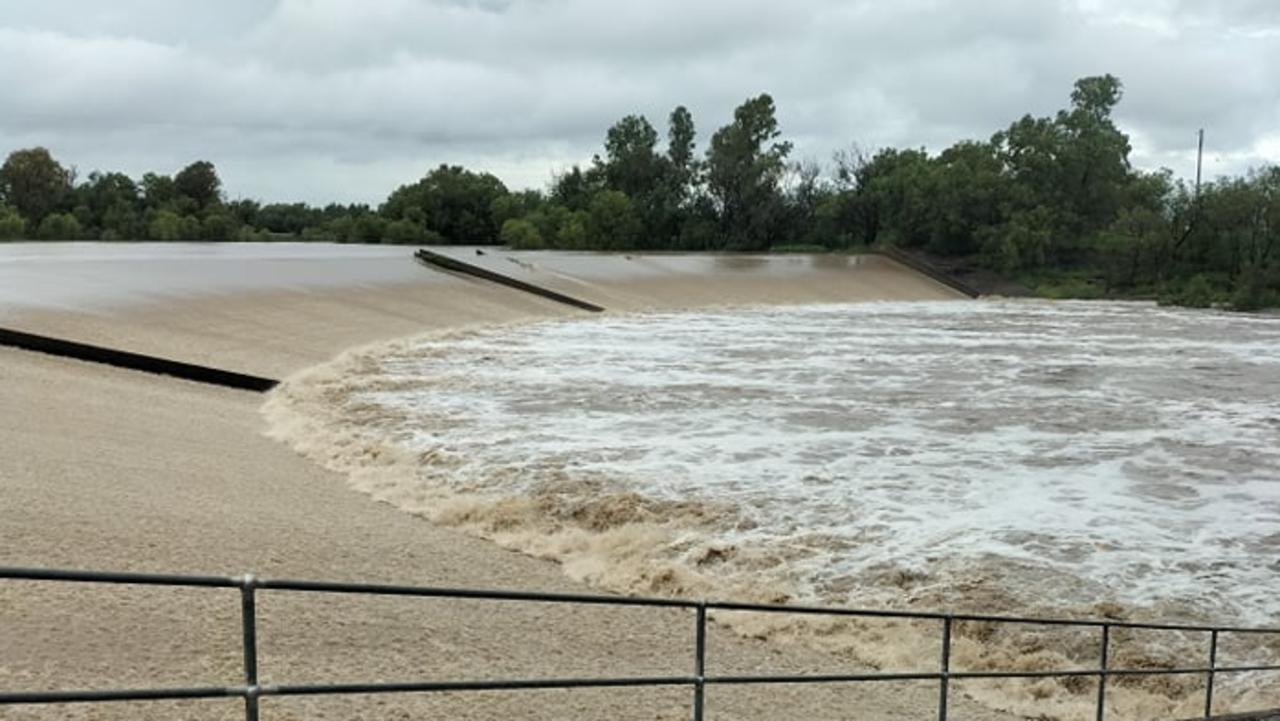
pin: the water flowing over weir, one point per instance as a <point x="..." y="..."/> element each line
<point x="1000" y="456"/>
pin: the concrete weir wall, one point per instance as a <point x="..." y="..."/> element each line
<point x="439" y="260"/>
<point x="264" y="311"/>
<point x="134" y="361"/>
<point x="112" y="470"/>
<point x="232" y="379"/>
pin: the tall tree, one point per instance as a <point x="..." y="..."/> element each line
<point x="157" y="190"/>
<point x="1076" y="164"/>
<point x="631" y="163"/>
<point x="969" y="193"/>
<point x="574" y="188"/>
<point x="34" y="183"/>
<point x="681" y="136"/>
<point x="199" y="182"/>
<point x="1095" y="158"/>
<point x="110" y="203"/>
<point x="453" y="201"/>
<point x="745" y="164"/>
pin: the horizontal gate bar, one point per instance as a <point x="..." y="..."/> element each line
<point x="580" y="598"/>
<point x="137" y="694"/>
<point x="81" y="696"/>
<point x="493" y="685"/>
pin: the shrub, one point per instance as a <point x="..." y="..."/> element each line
<point x="12" y="226"/>
<point x="1070" y="288"/>
<point x="1252" y="291"/>
<point x="404" y="232"/>
<point x="59" y="226"/>
<point x="1195" y="293"/>
<point x="521" y="234"/>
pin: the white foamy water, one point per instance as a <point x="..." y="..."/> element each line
<point x="1025" y="454"/>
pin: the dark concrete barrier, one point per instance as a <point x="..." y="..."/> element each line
<point x="457" y="266"/>
<point x="134" y="361"/>
<point x="929" y="270"/>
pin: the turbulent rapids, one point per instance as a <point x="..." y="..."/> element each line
<point x="997" y="456"/>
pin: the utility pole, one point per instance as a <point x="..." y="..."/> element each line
<point x="1199" y="162"/>
<point x="1195" y="202"/>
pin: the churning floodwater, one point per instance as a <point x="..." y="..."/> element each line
<point x="1021" y="454"/>
<point x="1021" y="457"/>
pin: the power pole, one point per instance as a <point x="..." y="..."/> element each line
<point x="1199" y="162"/>
<point x="1195" y="202"/>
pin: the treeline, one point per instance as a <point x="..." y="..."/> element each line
<point x="1052" y="201"/>
<point x="42" y="200"/>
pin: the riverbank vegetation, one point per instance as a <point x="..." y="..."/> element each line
<point x="1050" y="201"/>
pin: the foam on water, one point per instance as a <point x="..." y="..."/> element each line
<point x="1116" y="451"/>
<point x="1002" y="456"/>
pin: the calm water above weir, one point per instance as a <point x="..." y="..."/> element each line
<point x="988" y="455"/>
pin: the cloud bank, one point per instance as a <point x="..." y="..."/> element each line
<point x="323" y="100"/>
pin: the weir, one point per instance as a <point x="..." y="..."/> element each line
<point x="457" y="266"/>
<point x="701" y="674"/>
<point x="929" y="270"/>
<point x="134" y="361"/>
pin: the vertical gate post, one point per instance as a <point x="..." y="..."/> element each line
<point x="1213" y="665"/>
<point x="1102" y="671"/>
<point x="249" y="627"/>
<point x="699" y="661"/>
<point x="945" y="668"/>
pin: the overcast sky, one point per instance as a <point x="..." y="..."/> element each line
<point x="323" y="100"/>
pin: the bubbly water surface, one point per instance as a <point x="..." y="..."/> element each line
<point x="945" y="454"/>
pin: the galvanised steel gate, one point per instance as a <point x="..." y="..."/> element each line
<point x="697" y="681"/>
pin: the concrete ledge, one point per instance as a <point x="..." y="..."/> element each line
<point x="929" y="270"/>
<point x="134" y="361"/>
<point x="457" y="266"/>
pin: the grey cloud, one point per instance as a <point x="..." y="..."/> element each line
<point x="338" y="100"/>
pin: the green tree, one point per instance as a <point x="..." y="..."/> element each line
<point x="612" y="223"/>
<point x="521" y="234"/>
<point x="290" y="218"/>
<point x="101" y="191"/>
<point x="455" y="202"/>
<point x="894" y="197"/>
<point x="1020" y="243"/>
<point x="366" y="227"/>
<point x="575" y="188"/>
<point x="219" y="227"/>
<point x="33" y="182"/>
<point x="1254" y="291"/>
<point x="12" y="227"/>
<point x="681" y="138"/>
<point x="166" y="225"/>
<point x="199" y="181"/>
<point x="123" y="222"/>
<point x="1095" y="160"/>
<point x="245" y="210"/>
<point x="404" y="232"/>
<point x="158" y="191"/>
<point x="60" y="226"/>
<point x="668" y="204"/>
<point x="572" y="233"/>
<point x="1076" y="163"/>
<point x="969" y="192"/>
<point x="515" y="205"/>
<point x="744" y="166"/>
<point x="1197" y="292"/>
<point x="631" y="163"/>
